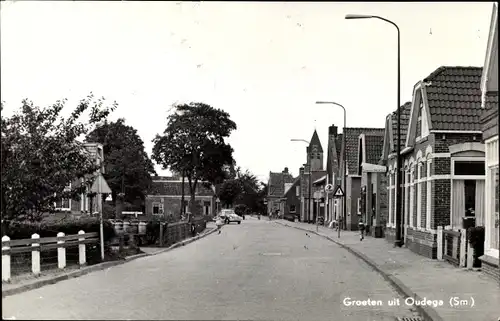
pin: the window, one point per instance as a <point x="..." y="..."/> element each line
<point x="206" y="208"/>
<point x="419" y="195"/>
<point x="297" y="191"/>
<point x="292" y="208"/>
<point x="390" y="197"/>
<point x="469" y="168"/>
<point x="157" y="209"/>
<point x="429" y="198"/>
<point x="64" y="204"/>
<point x="359" y="205"/>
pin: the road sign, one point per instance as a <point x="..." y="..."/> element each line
<point x="338" y="192"/>
<point x="329" y="188"/>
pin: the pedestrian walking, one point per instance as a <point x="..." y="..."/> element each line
<point x="219" y="224"/>
<point x="361" y="227"/>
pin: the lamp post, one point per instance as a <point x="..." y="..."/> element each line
<point x="399" y="217"/>
<point x="310" y="179"/>
<point x="344" y="178"/>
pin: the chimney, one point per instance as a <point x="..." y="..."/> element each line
<point x="332" y="130"/>
<point x="301" y="171"/>
<point x="285" y="171"/>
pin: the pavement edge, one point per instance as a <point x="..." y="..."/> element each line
<point x="97" y="267"/>
<point x="428" y="313"/>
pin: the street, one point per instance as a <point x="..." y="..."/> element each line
<point x="258" y="270"/>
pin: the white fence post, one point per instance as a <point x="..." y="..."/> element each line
<point x="440" y="244"/>
<point x="81" y="249"/>
<point x="463" y="247"/>
<point x="5" y="260"/>
<point x="61" y="251"/>
<point x="35" y="255"/>
<point x="470" y="256"/>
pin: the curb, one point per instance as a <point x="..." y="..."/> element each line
<point x="182" y="243"/>
<point x="428" y="313"/>
<point x="93" y="268"/>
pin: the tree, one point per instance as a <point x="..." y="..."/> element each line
<point x="229" y="192"/>
<point x="128" y="167"/>
<point x="41" y="156"/>
<point x="193" y="144"/>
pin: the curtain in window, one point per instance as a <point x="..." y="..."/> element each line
<point x="458" y="206"/>
<point x="479" y="210"/>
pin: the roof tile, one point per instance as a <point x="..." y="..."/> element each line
<point x="454" y="98"/>
<point x="352" y="141"/>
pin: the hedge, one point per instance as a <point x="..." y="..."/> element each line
<point x="24" y="229"/>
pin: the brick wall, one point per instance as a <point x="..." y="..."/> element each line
<point x="390" y="234"/>
<point x="172" y="206"/>
<point x="422" y="243"/>
<point x="383" y="199"/>
<point x="442" y="145"/>
<point x="491" y="270"/>
<point x="441" y="193"/>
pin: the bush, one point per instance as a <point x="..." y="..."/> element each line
<point x="24" y="229"/>
<point x="476" y="237"/>
<point x="240" y="209"/>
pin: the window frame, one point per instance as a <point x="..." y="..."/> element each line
<point x="64" y="209"/>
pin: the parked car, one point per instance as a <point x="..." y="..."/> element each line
<point x="233" y="218"/>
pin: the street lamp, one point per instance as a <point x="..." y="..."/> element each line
<point x="310" y="178"/>
<point x="399" y="217"/>
<point x="344" y="179"/>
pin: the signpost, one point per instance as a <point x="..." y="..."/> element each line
<point x="339" y="193"/>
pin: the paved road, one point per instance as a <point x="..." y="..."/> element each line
<point x="254" y="271"/>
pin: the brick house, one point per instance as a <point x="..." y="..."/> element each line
<point x="85" y="204"/>
<point x="291" y="204"/>
<point x="388" y="159"/>
<point x="165" y="195"/>
<point x="276" y="190"/>
<point x="352" y="177"/>
<point x="373" y="185"/>
<point x="443" y="158"/>
<point x="309" y="173"/>
<point x="489" y="121"/>
<point x="332" y="171"/>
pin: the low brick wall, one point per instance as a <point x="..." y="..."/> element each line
<point x="390" y="234"/>
<point x="489" y="266"/>
<point x="422" y="243"/>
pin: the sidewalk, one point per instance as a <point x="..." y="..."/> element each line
<point x="428" y="279"/>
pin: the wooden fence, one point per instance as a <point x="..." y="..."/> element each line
<point x="453" y="247"/>
<point x="171" y="233"/>
<point x="35" y="245"/>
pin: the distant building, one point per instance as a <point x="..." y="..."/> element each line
<point x="388" y="159"/>
<point x="352" y="194"/>
<point x="314" y="168"/>
<point x="276" y="190"/>
<point x="164" y="198"/>
<point x="86" y="204"/>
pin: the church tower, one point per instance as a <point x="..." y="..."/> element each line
<point x="315" y="153"/>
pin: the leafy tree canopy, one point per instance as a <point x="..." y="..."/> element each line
<point x="128" y="167"/>
<point x="41" y="155"/>
<point x="194" y="144"/>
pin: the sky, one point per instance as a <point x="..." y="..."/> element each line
<point x="265" y="63"/>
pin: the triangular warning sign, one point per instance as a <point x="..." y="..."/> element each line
<point x="338" y="192"/>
